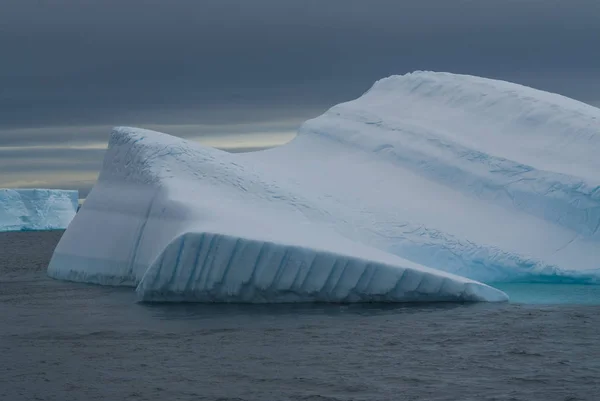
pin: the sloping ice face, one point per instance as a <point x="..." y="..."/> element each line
<point x="420" y="190"/>
<point x="36" y="209"/>
<point x="210" y="267"/>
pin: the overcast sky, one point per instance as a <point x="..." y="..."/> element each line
<point x="244" y="74"/>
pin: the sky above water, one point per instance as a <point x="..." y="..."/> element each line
<point x="243" y="75"/>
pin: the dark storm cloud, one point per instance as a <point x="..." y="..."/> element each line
<point x="94" y="62"/>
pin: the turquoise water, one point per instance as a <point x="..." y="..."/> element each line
<point x="551" y="294"/>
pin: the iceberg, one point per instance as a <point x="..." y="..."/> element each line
<point x="429" y="187"/>
<point x="36" y="209"/>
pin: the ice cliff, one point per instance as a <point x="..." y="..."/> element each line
<point x="427" y="182"/>
<point x="36" y="209"/>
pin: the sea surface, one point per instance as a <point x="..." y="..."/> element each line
<point x="68" y="341"/>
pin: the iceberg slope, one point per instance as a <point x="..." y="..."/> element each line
<point x="427" y="182"/>
<point x="36" y="209"/>
<point x="482" y="178"/>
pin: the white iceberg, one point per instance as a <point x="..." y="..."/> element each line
<point x="36" y="209"/>
<point x="427" y="182"/>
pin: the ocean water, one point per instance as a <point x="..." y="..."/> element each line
<point x="69" y="341"/>
<point x="551" y="294"/>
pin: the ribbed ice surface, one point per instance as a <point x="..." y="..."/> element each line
<point x="211" y="267"/>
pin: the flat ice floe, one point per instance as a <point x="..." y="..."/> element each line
<point x="36" y="209"/>
<point x="427" y="182"/>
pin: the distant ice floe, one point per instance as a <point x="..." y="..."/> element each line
<point x="36" y="209"/>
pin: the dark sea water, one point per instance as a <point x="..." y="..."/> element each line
<point x="67" y="341"/>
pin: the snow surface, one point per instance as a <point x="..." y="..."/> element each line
<point x="393" y="196"/>
<point x="36" y="209"/>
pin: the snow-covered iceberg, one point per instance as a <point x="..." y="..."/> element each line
<point x="36" y="209"/>
<point x="427" y="182"/>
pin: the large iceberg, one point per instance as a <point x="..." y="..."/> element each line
<point x="420" y="190"/>
<point x="36" y="209"/>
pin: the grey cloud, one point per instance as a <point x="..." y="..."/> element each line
<point x="60" y="135"/>
<point x="97" y="62"/>
<point x="27" y="159"/>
